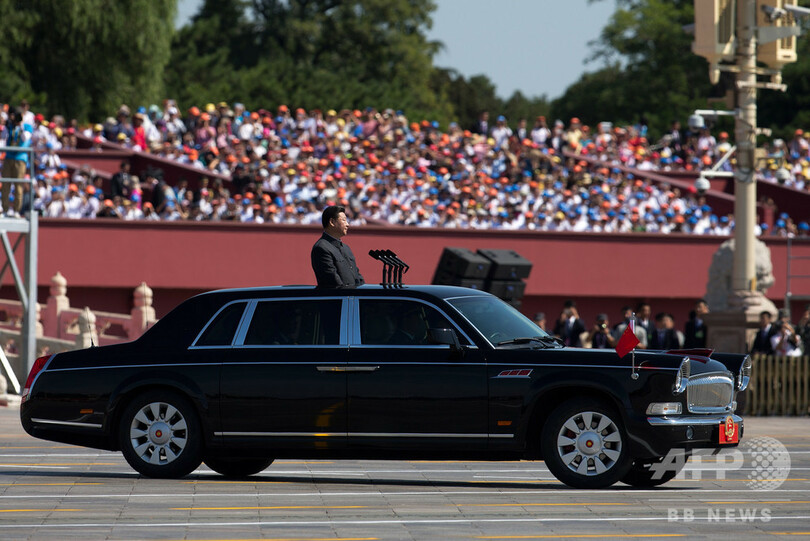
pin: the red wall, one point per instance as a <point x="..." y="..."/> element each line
<point x="104" y="260"/>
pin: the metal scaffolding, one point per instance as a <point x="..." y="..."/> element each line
<point x="26" y="227"/>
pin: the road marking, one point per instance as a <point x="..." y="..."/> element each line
<point x="42" y="465"/>
<point x="63" y="455"/>
<point x="37" y="510"/>
<point x="535" y="504"/>
<point x="269" y="507"/>
<point x="297" y="539"/>
<point x="37" y="447"/>
<point x="46" y="484"/>
<point x="358" y="522"/>
<point x="581" y="536"/>
<point x="237" y="482"/>
<point x="788" y="533"/>
<point x="33" y="466"/>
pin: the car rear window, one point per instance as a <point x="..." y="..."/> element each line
<point x="295" y="322"/>
<point x="221" y="330"/>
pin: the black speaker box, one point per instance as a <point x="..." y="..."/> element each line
<point x="464" y="263"/>
<point x="450" y="279"/>
<point x="506" y="264"/>
<point x="507" y="289"/>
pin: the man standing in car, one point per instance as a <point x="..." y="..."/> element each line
<point x="332" y="260"/>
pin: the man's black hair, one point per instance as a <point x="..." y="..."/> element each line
<point x="331" y="213"/>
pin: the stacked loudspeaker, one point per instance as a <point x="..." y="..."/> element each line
<point x="500" y="272"/>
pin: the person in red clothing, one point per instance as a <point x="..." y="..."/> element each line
<point x="139" y="135"/>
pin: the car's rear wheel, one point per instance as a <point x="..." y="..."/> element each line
<point x="647" y="474"/>
<point x="584" y="444"/>
<point x="160" y="435"/>
<point x="237" y="467"/>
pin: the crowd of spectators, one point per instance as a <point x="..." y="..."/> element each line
<point x="285" y="165"/>
<point x="777" y="336"/>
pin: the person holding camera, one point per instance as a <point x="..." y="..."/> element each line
<point x="599" y="336"/>
<point x="803" y="329"/>
<point x="785" y="341"/>
<point x="568" y="326"/>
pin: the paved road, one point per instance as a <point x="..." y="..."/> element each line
<point x="54" y="491"/>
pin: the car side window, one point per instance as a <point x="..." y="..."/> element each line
<point x="397" y="322"/>
<point x="221" y="330"/>
<point x="295" y="322"/>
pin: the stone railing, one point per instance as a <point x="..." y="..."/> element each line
<point x="61" y="327"/>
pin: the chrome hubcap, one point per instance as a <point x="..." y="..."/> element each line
<point x="158" y="433"/>
<point x="589" y="443"/>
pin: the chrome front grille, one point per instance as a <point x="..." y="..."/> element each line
<point x="710" y="393"/>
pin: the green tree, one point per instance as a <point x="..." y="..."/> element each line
<point x="649" y="73"/>
<point x="85" y="57"/>
<point x="312" y="53"/>
<point x="519" y="106"/>
<point x="14" y="80"/>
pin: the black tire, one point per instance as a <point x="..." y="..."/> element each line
<point x="584" y="444"/>
<point x="237" y="467"/>
<point x="160" y="436"/>
<point x="643" y="473"/>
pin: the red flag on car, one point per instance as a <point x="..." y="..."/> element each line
<point x="628" y="340"/>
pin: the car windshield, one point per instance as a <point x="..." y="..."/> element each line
<point x="498" y="321"/>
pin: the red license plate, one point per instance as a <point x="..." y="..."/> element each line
<point x="729" y="431"/>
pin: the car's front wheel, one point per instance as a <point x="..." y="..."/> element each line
<point x="237" y="467"/>
<point x="584" y="444"/>
<point x="160" y="435"/>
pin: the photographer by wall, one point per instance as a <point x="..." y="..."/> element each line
<point x="785" y="341"/>
<point x="599" y="336"/>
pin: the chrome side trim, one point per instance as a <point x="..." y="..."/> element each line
<point x="221" y="363"/>
<point x="692" y="420"/>
<point x="361" y="435"/>
<point x="211" y="364"/>
<point x="285" y="434"/>
<point x="244" y="323"/>
<point x="424" y="435"/>
<point x="347" y="368"/>
<point x="65" y="423"/>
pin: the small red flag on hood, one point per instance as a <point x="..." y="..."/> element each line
<point x="628" y="340"/>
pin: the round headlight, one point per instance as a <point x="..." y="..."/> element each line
<point x="682" y="376"/>
<point x="744" y="375"/>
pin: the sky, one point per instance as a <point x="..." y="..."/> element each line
<point x="536" y="46"/>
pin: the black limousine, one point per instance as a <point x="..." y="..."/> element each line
<point x="237" y="378"/>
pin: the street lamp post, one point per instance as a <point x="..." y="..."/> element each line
<point x="744" y="268"/>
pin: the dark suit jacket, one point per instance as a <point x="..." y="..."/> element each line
<point x="670" y="340"/>
<point x="694" y="336"/>
<point x="570" y="333"/>
<point x="334" y="264"/>
<point x="762" y="341"/>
